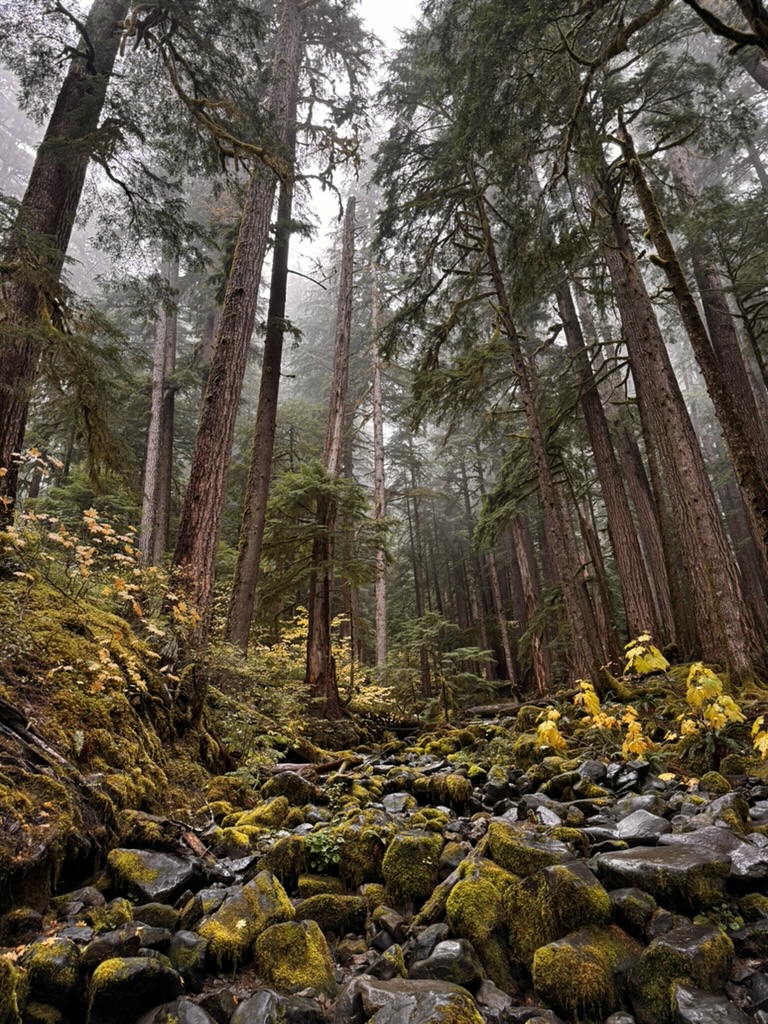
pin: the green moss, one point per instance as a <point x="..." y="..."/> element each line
<point x="294" y="956"/>
<point x="549" y="904"/>
<point x="706" y="962"/>
<point x="714" y="783"/>
<point x="128" y="866"/>
<point x="108" y="918"/>
<point x="410" y="867"/>
<point x="584" y="974"/>
<point x="318" y="885"/>
<point x="429" y="818"/>
<point x="364" y="837"/>
<point x="270" y="814"/>
<point x="754" y="907"/>
<point x="577" y="839"/>
<point x="335" y="913"/>
<point x="475" y="912"/>
<point x="286" y="859"/>
<point x="523" y="850"/>
<point x="231" y="930"/>
<point x="394" y="956"/>
<point x="14" y="988"/>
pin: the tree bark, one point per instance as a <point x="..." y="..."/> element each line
<point x="526" y="560"/>
<point x="40" y="237"/>
<point x="379" y="487"/>
<point x="586" y="653"/>
<point x="723" y="623"/>
<point x="200" y="521"/>
<point x="633" y="576"/>
<point x="243" y="596"/>
<point x="321" y="665"/>
<point x="718" y="357"/>
<point x="158" y="465"/>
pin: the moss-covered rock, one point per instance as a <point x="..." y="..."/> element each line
<point x="230" y="931"/>
<point x="149" y="875"/>
<point x="452" y="789"/>
<point x="363" y="839"/>
<point x="715" y="783"/>
<point x="548" y="905"/>
<point x="286" y="859"/>
<point x="523" y="850"/>
<point x="270" y="814"/>
<point x="754" y="906"/>
<point x="702" y="954"/>
<point x="475" y="912"/>
<point x="294" y="956"/>
<point x="53" y="972"/>
<point x="337" y="914"/>
<point x="317" y="885"/>
<point x="293" y="786"/>
<point x="584" y="974"/>
<point x="410" y="867"/>
<point x="123" y="988"/>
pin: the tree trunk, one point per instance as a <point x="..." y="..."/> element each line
<point x="718" y="358"/>
<point x="321" y="665"/>
<point x="586" y="653"/>
<point x="476" y="603"/>
<point x="526" y="560"/>
<point x="417" y="562"/>
<point x="243" y="597"/>
<point x="633" y="576"/>
<point x="158" y="465"/>
<point x="379" y="487"/>
<point x="40" y="237"/>
<point x="722" y="619"/>
<point x="200" y="520"/>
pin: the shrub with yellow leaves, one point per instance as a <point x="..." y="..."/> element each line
<point x="547" y="731"/>
<point x="643" y="658"/>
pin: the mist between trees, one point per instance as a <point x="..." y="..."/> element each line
<point x="514" y="416"/>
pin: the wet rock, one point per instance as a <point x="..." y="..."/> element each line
<point x="749" y="863"/>
<point x="122" y="989"/>
<point x="585" y="972"/>
<point x="150" y="876"/>
<point x="632" y="909"/>
<point x="453" y="960"/>
<point x="699" y="953"/>
<point x="233" y="927"/>
<point x="123" y="941"/>
<point x="694" y="1006"/>
<point x="295" y="956"/>
<point x="219" y="1004"/>
<point x="54" y="971"/>
<point x="267" y="1007"/>
<point x="642" y="828"/>
<point x="187" y="953"/>
<point x="427" y="938"/>
<point x="495" y="1005"/>
<point x="399" y="803"/>
<point x="690" y="879"/>
<point x="180" y="1011"/>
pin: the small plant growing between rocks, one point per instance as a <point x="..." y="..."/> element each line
<point x="324" y="849"/>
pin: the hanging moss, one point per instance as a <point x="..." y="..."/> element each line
<point x="14" y="988"/>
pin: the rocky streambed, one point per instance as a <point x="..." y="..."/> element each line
<point x="405" y="889"/>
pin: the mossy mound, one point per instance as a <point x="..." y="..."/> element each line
<point x="319" y="885"/>
<point x="363" y="839"/>
<point x="410" y="867"/>
<point x="91" y="727"/>
<point x="548" y="905"/>
<point x="475" y="912"/>
<point x="584" y="974"/>
<point x="270" y="814"/>
<point x="54" y="972"/>
<point x="295" y="956"/>
<point x="335" y="913"/>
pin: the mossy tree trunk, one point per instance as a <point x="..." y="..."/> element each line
<point x="40" y="237"/>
